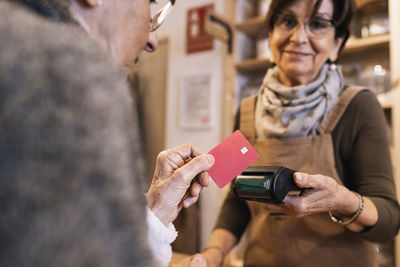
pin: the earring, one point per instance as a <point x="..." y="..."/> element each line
<point x="332" y="66"/>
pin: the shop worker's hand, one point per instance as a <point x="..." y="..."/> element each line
<point x="194" y="261"/>
<point x="179" y="177"/>
<point x="321" y="194"/>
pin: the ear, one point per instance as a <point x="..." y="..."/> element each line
<point x="93" y="3"/>
<point x="335" y="49"/>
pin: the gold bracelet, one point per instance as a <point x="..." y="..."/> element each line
<point x="337" y="219"/>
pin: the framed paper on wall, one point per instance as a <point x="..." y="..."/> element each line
<point x="194" y="107"/>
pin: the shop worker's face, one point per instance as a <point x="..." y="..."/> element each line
<point x="298" y="55"/>
<point x="123" y="25"/>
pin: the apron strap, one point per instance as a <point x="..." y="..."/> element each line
<point x="337" y="111"/>
<point x="247" y="122"/>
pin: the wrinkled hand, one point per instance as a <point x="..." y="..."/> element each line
<point x="212" y="260"/>
<point x="321" y="194"/>
<point x="178" y="180"/>
<point x="194" y="261"/>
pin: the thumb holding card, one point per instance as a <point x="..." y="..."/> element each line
<point x="179" y="177"/>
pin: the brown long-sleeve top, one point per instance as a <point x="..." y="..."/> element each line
<point x="363" y="163"/>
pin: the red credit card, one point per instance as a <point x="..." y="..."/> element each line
<point x="232" y="156"/>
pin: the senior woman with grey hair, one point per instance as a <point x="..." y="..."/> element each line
<point x="305" y="118"/>
<point x="71" y="173"/>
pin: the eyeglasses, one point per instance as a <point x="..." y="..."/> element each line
<point x="160" y="16"/>
<point x="315" y="27"/>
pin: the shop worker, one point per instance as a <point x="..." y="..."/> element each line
<point x="71" y="171"/>
<point x="305" y="118"/>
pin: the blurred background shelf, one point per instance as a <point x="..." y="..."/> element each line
<point x="253" y="27"/>
<point x="357" y="45"/>
<point x="253" y="65"/>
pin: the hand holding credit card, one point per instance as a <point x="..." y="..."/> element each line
<point x="232" y="156"/>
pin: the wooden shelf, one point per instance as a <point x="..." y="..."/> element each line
<point x="362" y="44"/>
<point x="253" y="65"/>
<point x="253" y="27"/>
<point x="362" y="3"/>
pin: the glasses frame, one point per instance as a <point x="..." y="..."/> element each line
<point x="158" y="19"/>
<point x="305" y="25"/>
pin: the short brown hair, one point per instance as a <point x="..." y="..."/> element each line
<point x="343" y="11"/>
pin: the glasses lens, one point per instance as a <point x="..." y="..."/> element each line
<point x="315" y="27"/>
<point x="286" y="22"/>
<point x="160" y="17"/>
<point x="319" y="26"/>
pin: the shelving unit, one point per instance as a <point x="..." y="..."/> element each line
<point x="253" y="27"/>
<point x="243" y="66"/>
<point x="353" y="46"/>
<point x="253" y="65"/>
<point x="365" y="44"/>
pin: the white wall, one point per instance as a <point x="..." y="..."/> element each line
<point x="181" y="65"/>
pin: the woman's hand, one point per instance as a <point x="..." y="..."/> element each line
<point x="178" y="179"/>
<point x="321" y="194"/>
<point x="212" y="260"/>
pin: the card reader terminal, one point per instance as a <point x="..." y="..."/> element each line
<point x="270" y="184"/>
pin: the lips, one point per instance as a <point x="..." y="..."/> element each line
<point x="298" y="53"/>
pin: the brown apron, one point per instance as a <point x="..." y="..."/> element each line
<point x="282" y="240"/>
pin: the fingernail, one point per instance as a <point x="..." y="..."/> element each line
<point x="210" y="158"/>
<point x="197" y="258"/>
<point x="299" y="177"/>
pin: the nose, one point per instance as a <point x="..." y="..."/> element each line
<point x="152" y="42"/>
<point x="299" y="35"/>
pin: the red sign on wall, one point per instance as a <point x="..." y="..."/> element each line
<point x="197" y="40"/>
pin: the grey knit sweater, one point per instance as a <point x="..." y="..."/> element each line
<point x="70" y="169"/>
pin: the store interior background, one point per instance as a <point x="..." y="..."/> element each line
<point x="158" y="80"/>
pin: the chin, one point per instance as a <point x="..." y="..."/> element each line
<point x="295" y="71"/>
<point x="297" y="66"/>
<point x="298" y="76"/>
<point x="128" y="65"/>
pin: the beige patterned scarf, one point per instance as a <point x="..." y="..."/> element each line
<point x="290" y="112"/>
